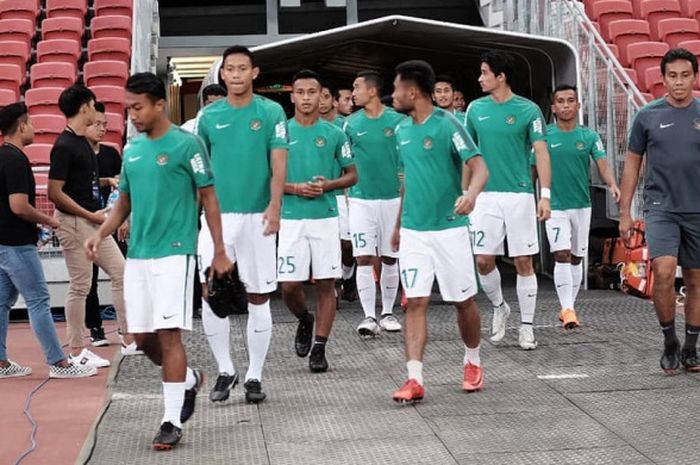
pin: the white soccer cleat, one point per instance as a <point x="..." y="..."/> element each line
<point x="389" y="323"/>
<point x="499" y="322"/>
<point x="368" y="327"/>
<point x="527" y="338"/>
<point x="131" y="349"/>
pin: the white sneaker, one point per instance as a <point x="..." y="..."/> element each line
<point x="389" y="323"/>
<point x="527" y="338"/>
<point x="14" y="370"/>
<point x="499" y="322"/>
<point x="73" y="370"/>
<point x="88" y="358"/>
<point x="131" y="349"/>
<point x="368" y="327"/>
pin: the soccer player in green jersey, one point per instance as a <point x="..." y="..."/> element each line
<point x="345" y="106"/>
<point x="459" y="103"/>
<point x="507" y="128"/>
<point x="375" y="200"/>
<point x="309" y="229"/>
<point x="571" y="148"/>
<point x="165" y="169"/>
<point x="444" y="95"/>
<point x="431" y="232"/>
<point x="246" y="135"/>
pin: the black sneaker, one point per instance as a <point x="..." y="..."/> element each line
<point x="253" y="391"/>
<point x="98" y="338"/>
<point x="670" y="360"/>
<point x="690" y="360"/>
<point x="191" y="396"/>
<point x="317" y="359"/>
<point x="305" y="333"/>
<point x="168" y="436"/>
<point x="223" y="386"/>
<point x="349" y="289"/>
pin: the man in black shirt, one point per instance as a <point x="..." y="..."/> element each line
<point x="20" y="267"/>
<point x="74" y="188"/>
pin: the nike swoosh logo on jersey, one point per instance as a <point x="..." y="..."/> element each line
<point x="483" y="118"/>
<point x="404" y="142"/>
<point x="664" y="126"/>
<point x="134" y="159"/>
<point x="222" y="126"/>
<point x="294" y="142"/>
<point x="360" y="134"/>
<point x="554" y="146"/>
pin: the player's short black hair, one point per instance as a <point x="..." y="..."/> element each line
<point x="419" y="73"/>
<point x="372" y="79"/>
<point x="332" y="88"/>
<point x="147" y="83"/>
<point x="99" y="107"/>
<point x="74" y="97"/>
<point x="562" y="88"/>
<point x="306" y="74"/>
<point x="213" y="89"/>
<point x="239" y="49"/>
<point x="445" y="78"/>
<point x="679" y="54"/>
<point x="11" y="116"/>
<point x="500" y="63"/>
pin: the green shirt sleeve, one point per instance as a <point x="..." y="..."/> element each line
<point x="536" y="127"/>
<point x="469" y="124"/>
<point x="123" y="181"/>
<point x="597" y="147"/>
<point x="197" y="163"/>
<point x="462" y="143"/>
<point x="279" y="135"/>
<point x="200" y="129"/>
<point x="343" y="152"/>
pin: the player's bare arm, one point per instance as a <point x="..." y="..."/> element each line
<point x="271" y="217"/>
<point x="608" y="178"/>
<point x="544" y="173"/>
<point x="348" y="179"/>
<point x="474" y="177"/>
<point x="396" y="236"/>
<point x="630" y="175"/>
<point x="221" y="265"/>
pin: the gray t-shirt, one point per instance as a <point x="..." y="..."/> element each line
<point x="670" y="139"/>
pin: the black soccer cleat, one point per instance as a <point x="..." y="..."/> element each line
<point x="670" y="360"/>
<point x="253" y="391"/>
<point x="305" y="333"/>
<point x="223" y="386"/>
<point x="191" y="396"/>
<point x="168" y="436"/>
<point x="317" y="359"/>
<point x="690" y="360"/>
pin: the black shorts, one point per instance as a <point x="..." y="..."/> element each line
<point x="674" y="234"/>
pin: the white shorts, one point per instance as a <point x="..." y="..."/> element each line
<point x="158" y="293"/>
<point x="372" y="224"/>
<point x="253" y="252"/>
<point x="308" y="244"/>
<point x="445" y="255"/>
<point x="498" y="215"/>
<point x="568" y="230"/>
<point x="343" y="218"/>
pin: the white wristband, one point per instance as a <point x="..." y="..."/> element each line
<point x="465" y="192"/>
<point x="545" y="193"/>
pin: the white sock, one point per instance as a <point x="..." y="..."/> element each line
<point x="173" y="397"/>
<point x="348" y="271"/>
<point x="491" y="284"/>
<point x="576" y="278"/>
<point x="415" y="370"/>
<point x="526" y="287"/>
<point x="562" y="281"/>
<point x="389" y="282"/>
<point x="367" y="290"/>
<point x="472" y="356"/>
<point x="217" y="331"/>
<point x="190" y="380"/>
<point x="259" y="335"/>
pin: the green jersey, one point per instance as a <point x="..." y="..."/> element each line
<point x="505" y="133"/>
<point x="570" y="153"/>
<point x="339" y="121"/>
<point x="432" y="154"/>
<point x="314" y="151"/>
<point x="373" y="142"/>
<point x="240" y="141"/>
<point x="460" y="115"/>
<point x="162" y="177"/>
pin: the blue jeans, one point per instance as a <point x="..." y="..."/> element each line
<point x="21" y="271"/>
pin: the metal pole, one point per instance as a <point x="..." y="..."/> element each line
<point x="272" y="15"/>
<point x="351" y="16"/>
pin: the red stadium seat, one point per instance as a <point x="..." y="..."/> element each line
<point x="615" y="51"/>
<point x="693" y="46"/>
<point x="7" y="97"/>
<point x="676" y="30"/>
<point x="690" y="8"/>
<point x="656" y="10"/>
<point x="643" y="55"/>
<point x="115" y="128"/>
<point x="113" y="7"/>
<point x="105" y="73"/>
<point x="117" y="49"/>
<point x="43" y="101"/>
<point x="626" y="31"/>
<point x="606" y="11"/>
<point x="58" y="50"/>
<point x="38" y="154"/>
<point x="62" y="28"/>
<point x="66" y="8"/>
<point x="52" y="75"/>
<point x="21" y="30"/>
<point x="655" y="82"/>
<point x="111" y="26"/>
<point x="11" y="78"/>
<point x="14" y="53"/>
<point x="113" y="98"/>
<point x="696" y="93"/>
<point x="19" y="9"/>
<point x="41" y="179"/>
<point x="47" y="128"/>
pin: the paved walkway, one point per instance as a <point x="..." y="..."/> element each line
<point x="591" y="396"/>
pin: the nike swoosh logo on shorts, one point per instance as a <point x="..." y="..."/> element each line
<point x="168" y="317"/>
<point x="531" y="244"/>
<point x="222" y="126"/>
<point x="270" y="282"/>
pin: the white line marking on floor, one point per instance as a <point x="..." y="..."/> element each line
<point x="564" y="376"/>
